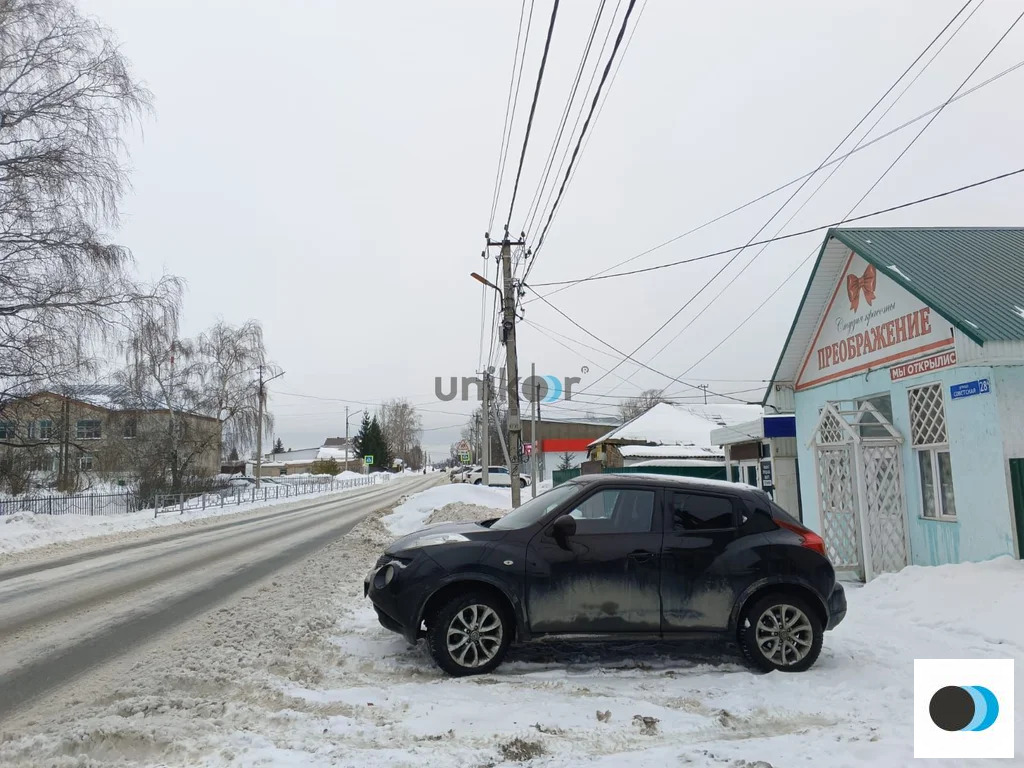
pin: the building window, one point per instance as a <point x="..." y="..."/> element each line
<point x="86" y="463"/>
<point x="7" y="430"/>
<point x="88" y="429"/>
<point x="45" y="429"/>
<point x="870" y="426"/>
<point x="131" y="428"/>
<point x="930" y="441"/>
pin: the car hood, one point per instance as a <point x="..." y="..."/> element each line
<point x="469" y="530"/>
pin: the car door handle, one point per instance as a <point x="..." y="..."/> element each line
<point x="641" y="556"/>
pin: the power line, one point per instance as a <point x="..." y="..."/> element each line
<point x="506" y="127"/>
<point x="583" y="132"/>
<point x="542" y="182"/>
<point x="600" y="109"/>
<point x="626" y="356"/>
<point x="566" y="284"/>
<point x="533" y="110"/>
<point x="791" y="235"/>
<point x="835" y="169"/>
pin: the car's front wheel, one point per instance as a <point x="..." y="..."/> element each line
<point x="477" y="482"/>
<point x="781" y="632"/>
<point x="522" y="483"/>
<point x="469" y="635"/>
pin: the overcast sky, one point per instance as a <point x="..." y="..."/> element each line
<point x="328" y="168"/>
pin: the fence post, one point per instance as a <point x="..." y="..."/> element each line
<point x="204" y="501"/>
<point x="181" y="503"/>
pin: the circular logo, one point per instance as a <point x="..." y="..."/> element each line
<point x="963" y="708"/>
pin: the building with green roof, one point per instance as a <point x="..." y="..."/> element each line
<point x="904" y="367"/>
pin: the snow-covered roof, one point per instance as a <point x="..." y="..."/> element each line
<point x="738" y="433"/>
<point x="338" y="454"/>
<point x="669" y="452"/>
<point x="667" y="424"/>
<point x="677" y="463"/>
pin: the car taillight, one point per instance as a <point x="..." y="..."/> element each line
<point x="808" y="538"/>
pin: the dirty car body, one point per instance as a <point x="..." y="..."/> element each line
<point x="616" y="556"/>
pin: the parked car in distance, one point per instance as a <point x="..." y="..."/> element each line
<point x="615" y="556"/>
<point x="496" y="476"/>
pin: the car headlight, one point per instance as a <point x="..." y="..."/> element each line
<point x="432" y="540"/>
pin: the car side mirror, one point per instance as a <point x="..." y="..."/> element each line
<point x="564" y="527"/>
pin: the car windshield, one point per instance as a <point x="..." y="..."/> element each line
<point x="535" y="509"/>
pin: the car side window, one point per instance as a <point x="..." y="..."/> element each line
<point x="614" y="510"/>
<point x="697" y="512"/>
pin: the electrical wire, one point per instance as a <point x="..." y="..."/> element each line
<point x="566" y="284"/>
<point x="549" y="164"/>
<point x="790" y="235"/>
<point x="533" y="110"/>
<point x="600" y="109"/>
<point x="835" y="169"/>
<point x="506" y="128"/>
<point x="583" y="133"/>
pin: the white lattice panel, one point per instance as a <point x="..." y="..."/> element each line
<point x="927" y="416"/>
<point x="830" y="429"/>
<point x="838" y="507"/>
<point x="883" y="508"/>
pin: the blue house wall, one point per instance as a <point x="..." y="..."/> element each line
<point x="978" y="445"/>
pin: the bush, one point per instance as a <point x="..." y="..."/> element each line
<point x="325" y="467"/>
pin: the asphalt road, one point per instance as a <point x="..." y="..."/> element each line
<point x="60" y="618"/>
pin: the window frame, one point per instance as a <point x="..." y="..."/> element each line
<point x="932" y="450"/>
<point x="83" y="460"/>
<point x="130" y="429"/>
<point x="46" y="433"/>
<point x="882" y="432"/>
<point x="657" y="521"/>
<point x="9" y="430"/>
<point x="82" y="433"/>
<point x="670" y="527"/>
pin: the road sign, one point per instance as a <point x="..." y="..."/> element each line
<point x="464" y="457"/>
<point x="367" y="460"/>
<point x="968" y="388"/>
<point x="527" y="448"/>
<point x="462" y="447"/>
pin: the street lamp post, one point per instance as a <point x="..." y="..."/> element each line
<point x="485" y="445"/>
<point x="348" y="446"/>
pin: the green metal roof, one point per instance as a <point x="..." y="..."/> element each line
<point x="972" y="276"/>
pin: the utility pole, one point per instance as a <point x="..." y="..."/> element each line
<point x="705" y="388"/>
<point x="485" y="438"/>
<point x="259" y="423"/>
<point x="348" y="451"/>
<point x="533" y="431"/>
<point x="508" y="335"/>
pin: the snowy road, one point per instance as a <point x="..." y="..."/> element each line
<point x="62" y="616"/>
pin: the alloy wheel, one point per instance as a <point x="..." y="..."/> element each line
<point x="784" y="634"/>
<point x="474" y="635"/>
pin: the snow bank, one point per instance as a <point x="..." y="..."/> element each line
<point x="412" y="514"/>
<point x="23" y="531"/>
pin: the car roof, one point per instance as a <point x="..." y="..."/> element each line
<point x="647" y="479"/>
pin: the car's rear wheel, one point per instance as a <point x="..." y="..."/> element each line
<point x="470" y="634"/>
<point x="477" y="482"/>
<point x="522" y="483"/>
<point x="781" y="631"/>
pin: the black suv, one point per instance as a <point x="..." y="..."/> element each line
<point x="620" y="556"/>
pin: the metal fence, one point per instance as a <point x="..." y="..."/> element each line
<point x="124" y="502"/>
<point x="78" y="504"/>
<point x="178" y="503"/>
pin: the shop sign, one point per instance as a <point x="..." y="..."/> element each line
<point x="969" y="388"/>
<point x="924" y="365"/>
<point x="766" y="474"/>
<point x="871" y="321"/>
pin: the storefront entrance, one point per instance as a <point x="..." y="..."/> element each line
<point x="859" y="476"/>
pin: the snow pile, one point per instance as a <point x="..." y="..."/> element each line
<point x="457" y="512"/>
<point x="25" y="530"/>
<point x="412" y="514"/>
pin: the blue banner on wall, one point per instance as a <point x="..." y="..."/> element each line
<point x="783" y="425"/>
<point x="968" y="388"/>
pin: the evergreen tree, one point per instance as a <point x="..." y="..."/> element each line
<point x="359" y="441"/>
<point x="376" y="445"/>
<point x="278" y="446"/>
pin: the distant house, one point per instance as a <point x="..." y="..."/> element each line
<point x="300" y="461"/>
<point x="97" y="429"/>
<point x="669" y="432"/>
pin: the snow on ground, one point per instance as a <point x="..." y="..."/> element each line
<point x="299" y="673"/>
<point x="412" y="514"/>
<point x="23" y="531"/>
